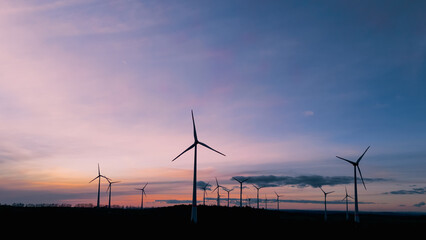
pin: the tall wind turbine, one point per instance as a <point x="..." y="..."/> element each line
<point x="346" y="198"/>
<point x="241" y="188"/>
<point x="356" y="165"/>
<point x="142" y="193"/>
<point x="228" y="191"/>
<point x="218" y="194"/>
<point x="325" y="203"/>
<point x="204" y="192"/>
<point x="278" y="200"/>
<point x="194" y="187"/>
<point x="257" y="188"/>
<point x="99" y="184"/>
<point x="109" y="189"/>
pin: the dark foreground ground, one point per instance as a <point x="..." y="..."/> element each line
<point x="212" y="221"/>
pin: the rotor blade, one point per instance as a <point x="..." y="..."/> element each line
<point x="359" y="159"/>
<point x="330" y="192"/>
<point x="346" y="160"/>
<point x="205" y="145"/>
<point x="107" y="178"/>
<point x="193" y="125"/>
<point x="99" y="170"/>
<point x="108" y="188"/>
<point x="360" y="174"/>
<point x="94" y="179"/>
<point x="145" y="186"/>
<point x="322" y="190"/>
<point x="217" y="183"/>
<point x="215" y="188"/>
<point x="193" y="145"/>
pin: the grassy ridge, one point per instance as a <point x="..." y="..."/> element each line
<point x="176" y="220"/>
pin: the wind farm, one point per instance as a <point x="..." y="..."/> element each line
<point x="298" y="115"/>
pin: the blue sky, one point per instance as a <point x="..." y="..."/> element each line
<point x="280" y="87"/>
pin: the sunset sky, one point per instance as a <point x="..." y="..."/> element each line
<point x="280" y="87"/>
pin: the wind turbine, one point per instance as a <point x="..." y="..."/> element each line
<point x="204" y="194"/>
<point x="142" y="193"/>
<point x="241" y="188"/>
<point x="325" y="203"/>
<point x="228" y="191"/>
<point x="99" y="184"/>
<point x="346" y="198"/>
<point x="356" y="165"/>
<point x="257" y="188"/>
<point x="266" y="202"/>
<point x="278" y="200"/>
<point x="109" y="189"/>
<point x="194" y="187"/>
<point x="218" y="194"/>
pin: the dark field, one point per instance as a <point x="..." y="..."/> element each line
<point x="212" y="221"/>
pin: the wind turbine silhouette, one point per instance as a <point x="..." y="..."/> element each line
<point x="257" y="188"/>
<point x="266" y="202"/>
<point x="241" y="188"/>
<point x="278" y="200"/>
<point x="204" y="194"/>
<point x="142" y="193"/>
<point x="228" y="191"/>
<point x="356" y="165"/>
<point x="346" y="198"/>
<point x="325" y="203"/>
<point x="109" y="189"/>
<point x="194" y="187"/>
<point x="218" y="194"/>
<point x="99" y="184"/>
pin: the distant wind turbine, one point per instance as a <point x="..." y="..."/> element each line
<point x="218" y="194"/>
<point x="142" y="193"/>
<point x="346" y="198"/>
<point x="241" y="188"/>
<point x="325" y="203"/>
<point x="228" y="191"/>
<point x="266" y="202"/>
<point x="257" y="188"/>
<point x="356" y="165"/>
<point x="109" y="189"/>
<point x="278" y="200"/>
<point x="204" y="192"/>
<point x="194" y="187"/>
<point x="99" y="184"/>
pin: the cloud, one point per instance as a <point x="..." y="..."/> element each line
<point x="420" y="204"/>
<point x="412" y="191"/>
<point x="314" y="181"/>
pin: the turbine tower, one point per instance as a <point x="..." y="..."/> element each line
<point x="99" y="184"/>
<point x="278" y="200"/>
<point x="356" y="165"/>
<point x="346" y="198"/>
<point x="142" y="193"/>
<point x="218" y="194"/>
<point x="194" y="187"/>
<point x="257" y="188"/>
<point x="325" y="203"/>
<point x="228" y="191"/>
<point x="241" y="188"/>
<point x="109" y="189"/>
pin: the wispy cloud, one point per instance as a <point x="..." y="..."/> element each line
<point x="314" y="181"/>
<point x="409" y="192"/>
